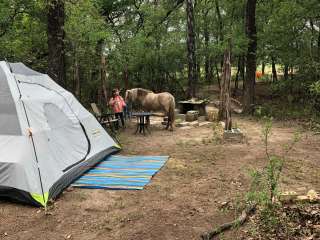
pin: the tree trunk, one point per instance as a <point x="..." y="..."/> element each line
<point x="318" y="56"/>
<point x="198" y="66"/>
<point x="286" y="72"/>
<point x="206" y="44"/>
<point x="263" y="67"/>
<point x="274" y="70"/>
<point x="236" y="82"/>
<point x="210" y="70"/>
<point x="192" y="66"/>
<point x="207" y="69"/>
<point x="126" y="77"/>
<point x="242" y="71"/>
<point x="221" y="37"/>
<point x="219" y="21"/>
<point x="76" y="77"/>
<point x="218" y="77"/>
<point x="56" y="49"/>
<point x="103" y="73"/>
<point x="225" y="109"/>
<point x="251" y="32"/>
<point x="319" y="47"/>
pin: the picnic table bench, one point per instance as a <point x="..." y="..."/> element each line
<point x="105" y="119"/>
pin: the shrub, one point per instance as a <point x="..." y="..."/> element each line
<point x="315" y="95"/>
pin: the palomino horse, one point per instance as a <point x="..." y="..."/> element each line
<point x="150" y="101"/>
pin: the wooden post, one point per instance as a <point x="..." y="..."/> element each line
<point x="225" y="108"/>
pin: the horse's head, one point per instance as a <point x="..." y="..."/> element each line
<point x="136" y="94"/>
<point x="128" y="96"/>
<point x="131" y="95"/>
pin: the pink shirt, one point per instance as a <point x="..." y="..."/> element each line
<point x="117" y="103"/>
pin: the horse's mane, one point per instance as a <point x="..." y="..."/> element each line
<point x="142" y="92"/>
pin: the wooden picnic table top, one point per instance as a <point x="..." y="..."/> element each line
<point x="198" y="102"/>
<point x="138" y="114"/>
<point x="107" y="114"/>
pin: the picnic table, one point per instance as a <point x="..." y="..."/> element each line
<point x="198" y="105"/>
<point x="107" y="120"/>
<point x="143" y="121"/>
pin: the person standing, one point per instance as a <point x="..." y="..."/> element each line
<point x="117" y="103"/>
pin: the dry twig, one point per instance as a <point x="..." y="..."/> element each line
<point x="226" y="226"/>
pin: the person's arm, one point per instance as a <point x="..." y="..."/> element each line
<point x="123" y="102"/>
<point x="111" y="102"/>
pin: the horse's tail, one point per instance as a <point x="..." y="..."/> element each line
<point x="171" y="117"/>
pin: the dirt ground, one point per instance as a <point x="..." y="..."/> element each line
<point x="183" y="200"/>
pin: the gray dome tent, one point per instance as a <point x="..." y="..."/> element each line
<point x="47" y="138"/>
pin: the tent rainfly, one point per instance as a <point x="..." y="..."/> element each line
<point x="47" y="138"/>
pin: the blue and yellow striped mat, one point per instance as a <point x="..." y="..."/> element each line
<point x="122" y="172"/>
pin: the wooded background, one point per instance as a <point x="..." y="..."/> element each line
<point x="92" y="46"/>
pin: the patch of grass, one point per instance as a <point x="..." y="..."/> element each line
<point x="283" y="111"/>
<point x="180" y="143"/>
<point x="134" y="216"/>
<point x="217" y="133"/>
<point x="265" y="182"/>
<point x="81" y="196"/>
<point x="177" y="121"/>
<point x="119" y="203"/>
<point x="178" y="167"/>
<point x="189" y="142"/>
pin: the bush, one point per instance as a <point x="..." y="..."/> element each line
<point x="264" y="188"/>
<point x="315" y="95"/>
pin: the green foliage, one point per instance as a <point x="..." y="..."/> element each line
<point x="265" y="182"/>
<point x="84" y="28"/>
<point x="148" y="40"/>
<point x="315" y="94"/>
<point x="217" y="132"/>
<point x="287" y="32"/>
<point x="265" y="78"/>
<point x="23" y="32"/>
<point x="315" y="88"/>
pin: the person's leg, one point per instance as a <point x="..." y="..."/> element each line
<point x="125" y="112"/>
<point x="130" y="110"/>
<point x="122" y="119"/>
<point x="117" y="115"/>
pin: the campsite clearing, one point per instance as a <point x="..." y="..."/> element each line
<point x="183" y="200"/>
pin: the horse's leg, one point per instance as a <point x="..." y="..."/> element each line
<point x="171" y="125"/>
<point x="168" y="121"/>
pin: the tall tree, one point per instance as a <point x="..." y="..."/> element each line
<point x="274" y="70"/>
<point x="191" y="46"/>
<point x="251" y="32"/>
<point x="56" y="47"/>
<point x="76" y="75"/>
<point x="103" y="72"/>
<point x="206" y="43"/>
